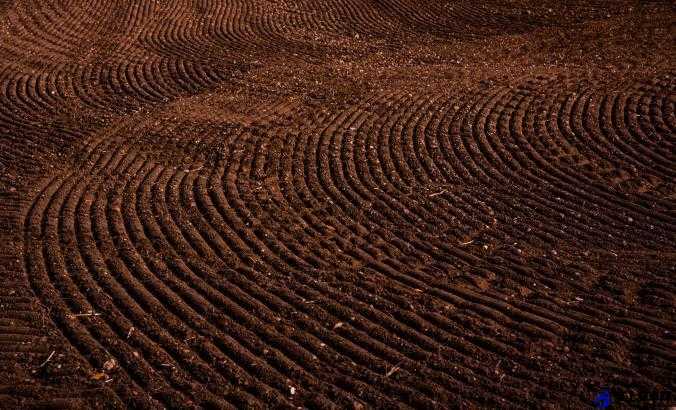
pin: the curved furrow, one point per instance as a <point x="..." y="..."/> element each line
<point x="123" y="325"/>
<point x="207" y="289"/>
<point x="87" y="86"/>
<point x="242" y="249"/>
<point x="551" y="204"/>
<point x="238" y="302"/>
<point x="250" y="284"/>
<point x="596" y="191"/>
<point x="149" y="337"/>
<point x="137" y="84"/>
<point x="652" y="132"/>
<point x="26" y="36"/>
<point x="476" y="141"/>
<point x="177" y="344"/>
<point x="156" y="274"/>
<point x="19" y="103"/>
<point x="229" y="214"/>
<point x="267" y="298"/>
<point x="586" y="128"/>
<point x="528" y="130"/>
<point x="594" y="124"/>
<point x="569" y="132"/>
<point x="126" y="356"/>
<point x="616" y="109"/>
<point x="569" y="161"/>
<point x="213" y="400"/>
<point x="40" y="264"/>
<point x="335" y="203"/>
<point x="399" y="329"/>
<point x="577" y="317"/>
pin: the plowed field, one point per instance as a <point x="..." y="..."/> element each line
<point x="337" y="203"/>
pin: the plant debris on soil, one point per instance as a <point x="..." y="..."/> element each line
<point x="337" y="204"/>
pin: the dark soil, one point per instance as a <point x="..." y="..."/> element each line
<point x="337" y="204"/>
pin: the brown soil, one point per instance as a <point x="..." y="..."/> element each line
<point x="337" y="203"/>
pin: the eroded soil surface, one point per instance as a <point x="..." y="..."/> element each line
<point x="337" y="203"/>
